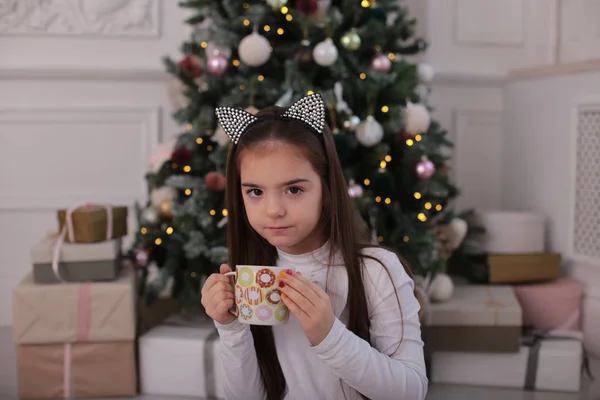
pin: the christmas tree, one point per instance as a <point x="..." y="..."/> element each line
<point x="255" y="54"/>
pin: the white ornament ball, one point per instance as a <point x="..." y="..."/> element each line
<point x="441" y="288"/>
<point x="150" y="216"/>
<point x="325" y="53"/>
<point x="162" y="194"/>
<point x="425" y="72"/>
<point x="369" y="132"/>
<point x="459" y="230"/>
<point x="254" y="50"/>
<point x="416" y="118"/>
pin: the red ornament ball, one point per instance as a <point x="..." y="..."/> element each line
<point x="308" y="7"/>
<point x="181" y="155"/>
<point x="192" y="65"/>
<point x="215" y="181"/>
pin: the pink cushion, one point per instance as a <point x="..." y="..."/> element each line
<point x="552" y="305"/>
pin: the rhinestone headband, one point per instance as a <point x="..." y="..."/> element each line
<point x="309" y="109"/>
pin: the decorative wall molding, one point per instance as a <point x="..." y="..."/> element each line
<point x="579" y="32"/>
<point x="490" y="23"/>
<point x="152" y="75"/>
<point x="85" y="74"/>
<point x="104" y="18"/>
<point x="146" y="123"/>
<point x="478" y="157"/>
<point x="571" y="68"/>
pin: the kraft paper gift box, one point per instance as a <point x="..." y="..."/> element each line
<point x="181" y="359"/>
<point x="78" y="370"/>
<point x="514" y="268"/>
<point x="553" y="363"/>
<point x="76" y="262"/>
<point x="484" y="318"/>
<point x="93" y="223"/>
<point x="74" y="312"/>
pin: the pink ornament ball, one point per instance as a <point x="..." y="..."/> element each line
<point x="425" y="169"/>
<point x="217" y="64"/>
<point x="381" y="63"/>
<point x="355" y="191"/>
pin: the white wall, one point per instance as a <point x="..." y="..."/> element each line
<point x="83" y="100"/>
<point x="82" y="106"/>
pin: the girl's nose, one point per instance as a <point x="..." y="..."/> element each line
<point x="275" y="208"/>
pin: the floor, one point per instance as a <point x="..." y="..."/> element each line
<point x="590" y="390"/>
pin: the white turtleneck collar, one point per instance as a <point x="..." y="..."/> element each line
<point x="312" y="259"/>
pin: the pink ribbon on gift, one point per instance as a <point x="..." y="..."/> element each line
<point x="67" y="371"/>
<point x="68" y="230"/>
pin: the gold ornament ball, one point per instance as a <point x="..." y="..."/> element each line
<point x="277" y="4"/>
<point x="351" y="40"/>
<point x="165" y="208"/>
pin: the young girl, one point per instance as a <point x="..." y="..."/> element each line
<point x="354" y="330"/>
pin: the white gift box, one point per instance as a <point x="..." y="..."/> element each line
<point x="512" y="232"/>
<point x="181" y="360"/>
<point x="554" y="364"/>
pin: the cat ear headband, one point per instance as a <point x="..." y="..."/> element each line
<point x="309" y="109"/>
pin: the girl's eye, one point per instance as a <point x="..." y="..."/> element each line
<point x="294" y="190"/>
<point x="254" y="192"/>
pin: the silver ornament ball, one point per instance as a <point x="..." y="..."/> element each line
<point x="150" y="216"/>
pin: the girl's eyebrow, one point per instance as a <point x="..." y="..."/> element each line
<point x="288" y="183"/>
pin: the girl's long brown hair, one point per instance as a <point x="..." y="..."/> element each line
<point x="340" y="223"/>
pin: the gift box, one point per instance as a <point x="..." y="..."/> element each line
<point x="181" y="359"/>
<point x="77" y="370"/>
<point x="485" y="318"/>
<point x="76" y="262"/>
<point x="552" y="305"/>
<point x="512" y="232"/>
<point x="93" y="223"/>
<point x="544" y="362"/>
<point x="514" y="268"/>
<point x="74" y="312"/>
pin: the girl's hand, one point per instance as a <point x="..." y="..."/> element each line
<point x="218" y="296"/>
<point x="309" y="303"/>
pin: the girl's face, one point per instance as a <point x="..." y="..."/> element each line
<point x="282" y="196"/>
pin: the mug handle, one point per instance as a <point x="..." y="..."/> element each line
<point x="233" y="310"/>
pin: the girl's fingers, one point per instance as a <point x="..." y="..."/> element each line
<point x="298" y="298"/>
<point x="299" y="286"/>
<point x="294" y="308"/>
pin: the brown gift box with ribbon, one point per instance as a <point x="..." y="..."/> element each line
<point x="78" y="370"/>
<point x="478" y="318"/>
<point x="89" y="223"/>
<point x="74" y="312"/>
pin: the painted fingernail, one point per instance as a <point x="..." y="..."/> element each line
<point x="281" y="284"/>
<point x="289" y="271"/>
<point x="283" y="296"/>
<point x="282" y="274"/>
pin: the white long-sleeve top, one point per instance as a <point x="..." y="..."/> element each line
<point x="343" y="363"/>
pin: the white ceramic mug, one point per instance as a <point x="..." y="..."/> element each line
<point x="257" y="295"/>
